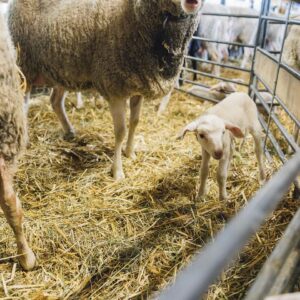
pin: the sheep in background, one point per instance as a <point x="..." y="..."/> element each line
<point x="235" y="116"/>
<point x="3" y="7"/>
<point x="291" y="56"/>
<point x="291" y="49"/>
<point x="74" y="45"/>
<point x="12" y="139"/>
<point x="216" y="28"/>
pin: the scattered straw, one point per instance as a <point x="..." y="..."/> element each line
<point x="99" y="239"/>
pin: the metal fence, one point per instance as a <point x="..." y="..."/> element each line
<point x="282" y="265"/>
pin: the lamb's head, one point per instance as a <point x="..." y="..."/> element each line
<point x="210" y="131"/>
<point x="177" y="7"/>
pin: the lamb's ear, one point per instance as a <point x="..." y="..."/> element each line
<point x="235" y="130"/>
<point x="188" y="128"/>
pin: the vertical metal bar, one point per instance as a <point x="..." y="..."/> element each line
<point x="257" y="43"/>
<point x="277" y="71"/>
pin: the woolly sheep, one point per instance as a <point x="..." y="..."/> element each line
<point x="12" y="139"/>
<point x="291" y="56"/>
<point x="235" y="116"/>
<point x="291" y="49"/>
<point x="74" y="45"/>
<point x="216" y="28"/>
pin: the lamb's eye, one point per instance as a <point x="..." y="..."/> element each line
<point x="201" y="136"/>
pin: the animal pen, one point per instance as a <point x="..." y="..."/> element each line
<point x="95" y="238"/>
<point x="268" y="73"/>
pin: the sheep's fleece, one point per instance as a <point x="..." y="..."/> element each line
<point x="12" y="121"/>
<point x="122" y="48"/>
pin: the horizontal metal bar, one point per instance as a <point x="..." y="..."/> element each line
<point x="281" y="103"/>
<point x="230" y="15"/>
<point x="217" y="64"/>
<point x="194" y="280"/>
<point x="266" y="278"/>
<point x="195" y="95"/>
<point x="214" y="76"/>
<point x="286" y="67"/>
<point x="281" y="128"/>
<point x="282" y="21"/>
<point x="222" y="42"/>
<point x="193" y="82"/>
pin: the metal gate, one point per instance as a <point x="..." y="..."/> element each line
<point x="268" y="73"/>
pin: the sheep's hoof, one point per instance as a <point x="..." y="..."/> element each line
<point x="118" y="175"/>
<point x="200" y="196"/>
<point x="223" y="197"/>
<point x="27" y="260"/>
<point x="69" y="136"/>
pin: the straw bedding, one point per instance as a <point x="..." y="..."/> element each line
<point x="98" y="239"/>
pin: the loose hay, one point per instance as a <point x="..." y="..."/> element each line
<point x="98" y="239"/>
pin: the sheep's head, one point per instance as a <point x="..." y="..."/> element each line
<point x="210" y="131"/>
<point x="177" y="7"/>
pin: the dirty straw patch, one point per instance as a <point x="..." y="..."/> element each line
<point x="98" y="239"/>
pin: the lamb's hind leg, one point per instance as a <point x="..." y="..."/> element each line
<point x="118" y="112"/>
<point x="12" y="209"/>
<point x="58" y="104"/>
<point x="222" y="174"/>
<point x="259" y="154"/>
<point x="135" y="109"/>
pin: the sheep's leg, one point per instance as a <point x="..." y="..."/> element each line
<point x="195" y="68"/>
<point x="163" y="104"/>
<point x="79" y="103"/>
<point x="203" y="174"/>
<point x="259" y="155"/>
<point x="12" y="209"/>
<point x="222" y="173"/>
<point x="247" y="54"/>
<point x="135" y="109"/>
<point x="118" y="112"/>
<point x="216" y="70"/>
<point x="26" y="103"/>
<point x="58" y="104"/>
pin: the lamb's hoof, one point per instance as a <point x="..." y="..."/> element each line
<point x="69" y="136"/>
<point x="118" y="175"/>
<point x="223" y="197"/>
<point x="27" y="260"/>
<point x="130" y="154"/>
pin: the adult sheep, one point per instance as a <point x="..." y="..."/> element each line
<point x="123" y="48"/>
<point x="12" y="137"/>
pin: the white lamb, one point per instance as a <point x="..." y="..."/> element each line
<point x="235" y="116"/>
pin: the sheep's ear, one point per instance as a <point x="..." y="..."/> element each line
<point x="235" y="130"/>
<point x="230" y="88"/>
<point x="217" y="87"/>
<point x="188" y="128"/>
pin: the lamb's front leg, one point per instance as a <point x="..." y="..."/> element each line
<point x="203" y="174"/>
<point x="135" y="109"/>
<point x="222" y="173"/>
<point x="118" y="112"/>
